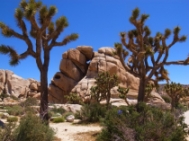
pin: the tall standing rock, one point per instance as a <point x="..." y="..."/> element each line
<point x="73" y="68"/>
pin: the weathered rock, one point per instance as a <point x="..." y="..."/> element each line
<point x="87" y="51"/>
<point x="12" y="84"/>
<point x="56" y="95"/>
<point x="70" y="118"/>
<point x="63" y="82"/>
<point x="68" y="67"/>
<point x="33" y="86"/>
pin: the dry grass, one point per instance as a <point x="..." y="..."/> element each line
<point x="88" y="136"/>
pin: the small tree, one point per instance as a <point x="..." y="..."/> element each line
<point x="176" y="92"/>
<point x="148" y="54"/>
<point x="123" y="93"/>
<point x="104" y="83"/>
<point x="45" y="33"/>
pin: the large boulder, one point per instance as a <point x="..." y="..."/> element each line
<point x="77" y="76"/>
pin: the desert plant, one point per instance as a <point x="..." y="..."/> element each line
<point x="74" y="98"/>
<point x="123" y="93"/>
<point x="126" y="123"/>
<point x="12" y="119"/>
<point x="166" y="98"/>
<point x="104" y="83"/>
<point x="45" y="32"/>
<point x="92" y="113"/>
<point x="31" y="128"/>
<point x="15" y="110"/>
<point x="6" y="132"/>
<point x="58" y="119"/>
<point x="59" y="110"/>
<point x="175" y="91"/>
<point x="3" y="95"/>
<point x="149" y="55"/>
<point x="30" y="101"/>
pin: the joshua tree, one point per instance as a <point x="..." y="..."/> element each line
<point x="176" y="92"/>
<point x="45" y="32"/>
<point x="148" y="54"/>
<point x="104" y="83"/>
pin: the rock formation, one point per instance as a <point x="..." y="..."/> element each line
<point x="80" y="66"/>
<point x="12" y="84"/>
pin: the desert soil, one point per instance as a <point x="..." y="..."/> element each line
<point x="76" y="132"/>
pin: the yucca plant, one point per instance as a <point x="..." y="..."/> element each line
<point x="45" y="32"/>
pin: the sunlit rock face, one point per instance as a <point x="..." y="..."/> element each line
<point x="12" y="84"/>
<point x="78" y="69"/>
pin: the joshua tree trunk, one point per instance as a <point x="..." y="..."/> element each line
<point x="141" y="93"/>
<point x="44" y="86"/>
<point x="44" y="96"/>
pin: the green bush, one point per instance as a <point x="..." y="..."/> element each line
<point x="3" y="95"/>
<point x="59" y="110"/>
<point x="58" y="119"/>
<point x="92" y="112"/>
<point x="29" y="102"/>
<point x="151" y="123"/>
<point x="15" y="110"/>
<point x="166" y="98"/>
<point x="31" y="128"/>
<point x="6" y="132"/>
<point x="12" y="119"/>
<point x="73" y="98"/>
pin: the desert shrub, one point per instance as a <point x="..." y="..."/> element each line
<point x="31" y="128"/>
<point x="151" y="123"/>
<point x="12" y="119"/>
<point x="166" y="98"/>
<point x="66" y="114"/>
<point x="59" y="110"/>
<point x="30" y="101"/>
<point x="3" y="95"/>
<point x="58" y="119"/>
<point x="92" y="112"/>
<point x="14" y="97"/>
<point x="15" y="110"/>
<point x="6" y="132"/>
<point x="74" y="98"/>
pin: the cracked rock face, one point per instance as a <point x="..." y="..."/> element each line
<point x="76" y="75"/>
<point x="12" y="84"/>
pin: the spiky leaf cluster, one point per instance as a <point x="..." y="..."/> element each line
<point x="42" y="28"/>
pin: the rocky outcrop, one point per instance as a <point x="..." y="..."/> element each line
<point x="73" y="67"/>
<point x="12" y="84"/>
<point x="76" y="75"/>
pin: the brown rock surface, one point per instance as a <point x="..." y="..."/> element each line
<point x="12" y="84"/>
<point x="69" y="79"/>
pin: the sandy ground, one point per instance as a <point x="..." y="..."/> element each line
<point x="73" y="132"/>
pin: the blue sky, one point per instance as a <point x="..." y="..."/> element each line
<point x="98" y="23"/>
